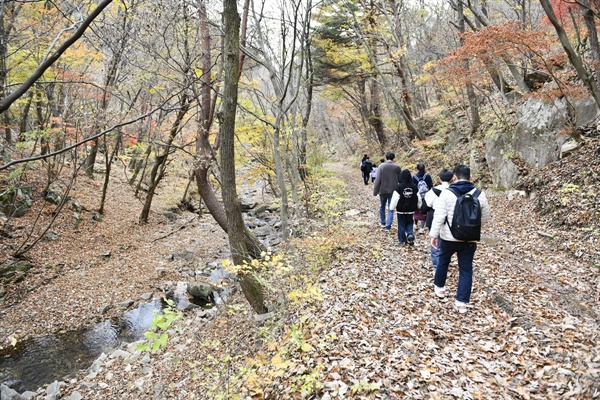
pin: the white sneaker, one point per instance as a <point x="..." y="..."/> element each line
<point x="460" y="307"/>
<point x="439" y="291"/>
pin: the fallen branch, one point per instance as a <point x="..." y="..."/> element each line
<point x="176" y="230"/>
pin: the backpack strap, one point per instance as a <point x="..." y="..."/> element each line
<point x="453" y="190"/>
<point x="457" y="194"/>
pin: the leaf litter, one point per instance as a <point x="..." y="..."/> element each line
<point x="531" y="331"/>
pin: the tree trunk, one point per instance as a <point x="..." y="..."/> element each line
<point x="160" y="163"/>
<point x="91" y="158"/>
<point x="235" y="223"/>
<point x="590" y="23"/>
<point x="375" y="119"/>
<point x="302" y="162"/>
<point x="280" y="173"/>
<point x="204" y="150"/>
<point x="108" y="164"/>
<point x="472" y="96"/>
<point x="399" y="62"/>
<point x="574" y="58"/>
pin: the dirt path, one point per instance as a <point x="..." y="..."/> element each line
<point x="531" y="331"/>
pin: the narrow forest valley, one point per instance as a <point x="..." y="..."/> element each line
<point x="353" y="317"/>
<point x="182" y="213"/>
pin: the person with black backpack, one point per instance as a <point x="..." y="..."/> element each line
<point x="366" y="166"/>
<point x="428" y="205"/>
<point x="459" y="214"/>
<point x="405" y="200"/>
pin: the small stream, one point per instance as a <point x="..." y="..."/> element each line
<point x="38" y="361"/>
<point x="41" y="360"/>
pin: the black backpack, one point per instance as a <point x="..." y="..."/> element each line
<point x="366" y="166"/>
<point x="424" y="207"/>
<point x="466" y="221"/>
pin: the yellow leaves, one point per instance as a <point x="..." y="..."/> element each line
<point x="280" y="364"/>
<point x="306" y="347"/>
<point x="309" y="293"/>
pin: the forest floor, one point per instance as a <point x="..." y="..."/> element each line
<point x="374" y="329"/>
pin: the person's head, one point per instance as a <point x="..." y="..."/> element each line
<point x="462" y="172"/>
<point x="421" y="167"/>
<point x="390" y="156"/>
<point x="374" y="165"/>
<point x="445" y="175"/>
<point x="381" y="160"/>
<point x="405" y="176"/>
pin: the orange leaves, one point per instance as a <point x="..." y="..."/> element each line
<point x="491" y="48"/>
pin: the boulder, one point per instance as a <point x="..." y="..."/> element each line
<point x="53" y="391"/>
<point x="8" y="393"/>
<point x="201" y="291"/>
<point x="247" y="207"/>
<point x="74" y="396"/>
<point x="185" y="305"/>
<point x="51" y="235"/>
<point x="14" y="202"/>
<point x="185" y="255"/>
<point x="54" y="195"/>
<point x="569" y="146"/>
<point x="263" y="230"/>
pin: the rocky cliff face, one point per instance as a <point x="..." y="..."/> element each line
<point x="536" y="140"/>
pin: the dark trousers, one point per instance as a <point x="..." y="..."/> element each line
<point x="366" y="176"/>
<point x="465" y="252"/>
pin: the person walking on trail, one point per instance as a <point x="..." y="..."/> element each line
<point x="428" y="205"/>
<point x="460" y="211"/>
<point x="424" y="184"/>
<point x="388" y="177"/>
<point x="366" y="166"/>
<point x="405" y="201"/>
<point x="374" y="172"/>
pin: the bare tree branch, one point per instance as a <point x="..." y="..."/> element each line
<point x="112" y="128"/>
<point x="11" y="98"/>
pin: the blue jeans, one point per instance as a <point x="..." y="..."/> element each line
<point x="435" y="255"/>
<point x="465" y="252"/>
<point x="405" y="227"/>
<point x="384" y="205"/>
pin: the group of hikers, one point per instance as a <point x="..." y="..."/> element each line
<point x="453" y="212"/>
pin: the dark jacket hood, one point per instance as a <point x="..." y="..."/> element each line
<point x="462" y="187"/>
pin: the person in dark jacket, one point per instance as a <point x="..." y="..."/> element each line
<point x="424" y="184"/>
<point x="366" y="166"/>
<point x="388" y="176"/>
<point x="405" y="201"/>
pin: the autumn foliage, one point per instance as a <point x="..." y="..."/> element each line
<point x="491" y="48"/>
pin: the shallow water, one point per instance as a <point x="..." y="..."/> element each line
<point x="42" y="360"/>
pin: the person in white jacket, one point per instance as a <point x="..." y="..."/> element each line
<point x="448" y="244"/>
<point x="431" y="197"/>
